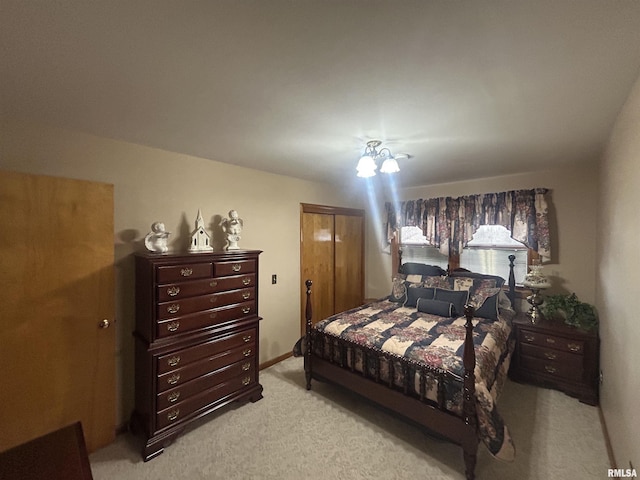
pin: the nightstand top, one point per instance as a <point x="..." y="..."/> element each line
<point x="554" y="326"/>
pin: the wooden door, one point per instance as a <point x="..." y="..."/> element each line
<point x="317" y="263"/>
<point x="56" y="279"/>
<point x="332" y="256"/>
<point x="348" y="261"/>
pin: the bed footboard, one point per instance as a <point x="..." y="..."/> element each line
<point x="338" y="366"/>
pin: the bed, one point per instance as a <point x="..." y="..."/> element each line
<point x="436" y="352"/>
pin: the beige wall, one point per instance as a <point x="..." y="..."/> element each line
<point x="572" y="208"/>
<point x="155" y="185"/>
<point x="618" y="282"/>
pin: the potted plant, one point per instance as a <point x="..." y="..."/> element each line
<point x="572" y="310"/>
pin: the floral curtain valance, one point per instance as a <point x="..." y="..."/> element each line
<point x="449" y="223"/>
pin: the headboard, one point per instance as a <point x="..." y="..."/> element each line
<point x="423" y="269"/>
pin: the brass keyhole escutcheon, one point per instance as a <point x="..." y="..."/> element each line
<point x="104" y="323"/>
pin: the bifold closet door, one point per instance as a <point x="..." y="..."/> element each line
<point x="332" y="256"/>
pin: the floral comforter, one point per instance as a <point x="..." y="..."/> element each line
<point x="438" y="342"/>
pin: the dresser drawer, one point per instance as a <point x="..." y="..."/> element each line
<point x="550" y="341"/>
<point x="179" y="376"/>
<point x="178" y="394"/>
<point x="177" y="308"/>
<point x="171" y="361"/>
<point x="194" y="321"/>
<point x="234" y="268"/>
<point x="176" y="291"/>
<point x="188" y="271"/>
<point x="175" y="413"/>
<point x="556" y="369"/>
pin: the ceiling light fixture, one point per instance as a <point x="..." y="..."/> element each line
<point x="368" y="163"/>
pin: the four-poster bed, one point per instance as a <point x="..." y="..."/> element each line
<point x="432" y="352"/>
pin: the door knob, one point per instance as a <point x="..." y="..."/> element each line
<point x="104" y="323"/>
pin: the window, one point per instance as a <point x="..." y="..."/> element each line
<point x="416" y="249"/>
<point x="489" y="250"/>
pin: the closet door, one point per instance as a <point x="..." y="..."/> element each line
<point x="317" y="250"/>
<point x="332" y="256"/>
<point x="348" y="262"/>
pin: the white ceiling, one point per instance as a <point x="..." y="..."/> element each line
<point x="468" y="88"/>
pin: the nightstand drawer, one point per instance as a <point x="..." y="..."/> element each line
<point x="553" y="356"/>
<point x="550" y="341"/>
<point x="556" y="369"/>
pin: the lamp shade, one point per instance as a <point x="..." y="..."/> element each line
<point x="390" y="165"/>
<point x="366" y="166"/>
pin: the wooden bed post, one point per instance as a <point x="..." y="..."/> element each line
<point x="469" y="414"/>
<point x="512" y="282"/>
<point x="307" y="336"/>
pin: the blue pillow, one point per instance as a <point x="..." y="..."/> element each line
<point x="489" y="309"/>
<point x="414" y="293"/>
<point x="459" y="298"/>
<point x="435" y="307"/>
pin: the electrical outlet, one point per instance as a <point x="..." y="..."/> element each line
<point x="274" y="279"/>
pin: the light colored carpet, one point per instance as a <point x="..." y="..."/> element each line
<point x="330" y="434"/>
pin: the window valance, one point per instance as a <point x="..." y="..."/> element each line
<point x="449" y="223"/>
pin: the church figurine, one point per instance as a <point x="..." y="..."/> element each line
<point x="156" y="239"/>
<point x="200" y="240"/>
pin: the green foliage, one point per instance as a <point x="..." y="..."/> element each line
<point x="575" y="313"/>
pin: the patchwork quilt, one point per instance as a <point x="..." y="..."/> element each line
<point x="439" y="342"/>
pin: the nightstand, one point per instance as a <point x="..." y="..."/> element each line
<point x="555" y="355"/>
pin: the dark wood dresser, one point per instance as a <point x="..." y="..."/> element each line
<point x="553" y="354"/>
<point x="196" y="339"/>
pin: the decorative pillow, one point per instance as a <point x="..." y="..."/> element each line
<point x="499" y="280"/>
<point x="439" y="282"/>
<point x="398" y="290"/>
<point x="458" y="298"/>
<point x="415" y="292"/>
<point x="435" y="307"/>
<point x="487" y="307"/>
<point x="422" y="269"/>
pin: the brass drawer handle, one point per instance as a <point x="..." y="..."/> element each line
<point x="529" y="338"/>
<point x="173" y="308"/>
<point x="236" y="267"/>
<point x="246" y="281"/>
<point x="173" y="415"/>
<point x="173" y="397"/>
<point x="213" y="315"/>
<point x="213" y="299"/>
<point x="550" y="355"/>
<point x="246" y="366"/>
<point x="186" y="272"/>
<point x="574" y="347"/>
<point x="550" y="369"/>
<point x="246" y="381"/>
<point x="550" y="340"/>
<point x="246" y="296"/>
<point x="246" y="338"/>
<point x="246" y="352"/>
<point x="173" y="361"/>
<point x="173" y="291"/>
<point x="173" y="379"/>
<point x="173" y="326"/>
<point x="246" y="309"/>
<point x="213" y="283"/>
